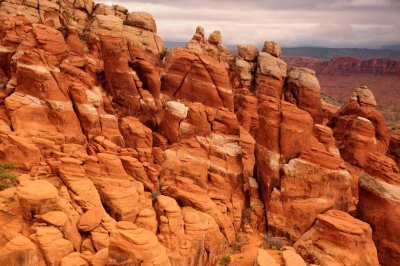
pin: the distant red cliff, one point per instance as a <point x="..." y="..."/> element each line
<point x="340" y="75"/>
<point x="347" y="65"/>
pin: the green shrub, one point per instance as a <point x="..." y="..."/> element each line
<point x="241" y="240"/>
<point x="225" y="260"/>
<point x="235" y="248"/>
<point x="6" y="179"/>
<point x="272" y="242"/>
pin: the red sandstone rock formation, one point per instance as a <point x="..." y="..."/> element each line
<point x="337" y="238"/>
<point x="359" y="128"/>
<point x="187" y="72"/>
<point x="363" y="140"/>
<point x="302" y="89"/>
<point x="127" y="154"/>
<point x="379" y="205"/>
<point x="394" y="147"/>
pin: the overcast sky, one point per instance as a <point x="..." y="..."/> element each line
<point x="335" y="23"/>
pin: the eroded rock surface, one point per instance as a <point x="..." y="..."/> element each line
<point x="128" y="154"/>
<point x="321" y="244"/>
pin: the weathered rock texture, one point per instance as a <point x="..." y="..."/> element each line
<point x="379" y="205"/>
<point x="336" y="238"/>
<point x="130" y="155"/>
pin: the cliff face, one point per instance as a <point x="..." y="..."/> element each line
<point x="130" y="155"/>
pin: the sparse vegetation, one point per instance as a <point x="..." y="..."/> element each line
<point x="246" y="217"/>
<point x="225" y="260"/>
<point x="6" y="178"/>
<point x="272" y="242"/>
<point x="392" y="116"/>
<point x="391" y="113"/>
<point x="154" y="195"/>
<point x="331" y="100"/>
<point x="236" y="247"/>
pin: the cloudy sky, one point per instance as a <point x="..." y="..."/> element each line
<point x="329" y="23"/>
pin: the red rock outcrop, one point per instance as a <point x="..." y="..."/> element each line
<point x="394" y="147"/>
<point x="288" y="148"/>
<point x="127" y="154"/>
<point x="270" y="76"/>
<point x="379" y="205"/>
<point x="20" y="251"/>
<point x="130" y="244"/>
<point x="187" y="72"/>
<point x="212" y="46"/>
<point x="363" y="140"/>
<point x="273" y="48"/>
<point x="337" y="238"/>
<point x="302" y="88"/>
<point x="307" y="190"/>
<point x="242" y="73"/>
<point x="359" y="128"/>
<point x="287" y="152"/>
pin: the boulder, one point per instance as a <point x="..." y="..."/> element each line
<point x="272" y="48"/>
<point x="129" y="243"/>
<point x="264" y="259"/>
<point x="212" y="46"/>
<point x="54" y="247"/>
<point x="303" y="89"/>
<point x="20" y="251"/>
<point x="90" y="220"/>
<point x="364" y="96"/>
<point x="291" y="258"/>
<point x="142" y="20"/>
<point x="321" y="244"/>
<point x="215" y="37"/>
<point x="270" y="76"/>
<point x="37" y="197"/>
<point x="248" y="52"/>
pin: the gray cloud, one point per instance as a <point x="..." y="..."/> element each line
<point x="336" y="23"/>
